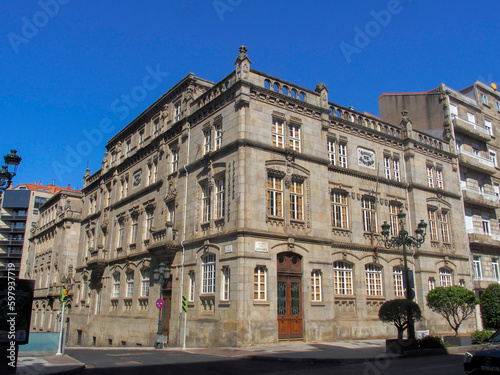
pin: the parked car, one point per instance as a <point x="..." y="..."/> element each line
<point x="485" y="359"/>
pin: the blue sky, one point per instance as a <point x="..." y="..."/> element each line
<point x="65" y="64"/>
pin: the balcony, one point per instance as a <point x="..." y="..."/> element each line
<point x="11" y="254"/>
<point x="98" y="260"/>
<point x="8" y="229"/>
<point x="483" y="239"/>
<point x="11" y="242"/>
<point x="474" y="161"/>
<point x="474" y="196"/>
<point x="8" y="217"/>
<point x="472" y="129"/>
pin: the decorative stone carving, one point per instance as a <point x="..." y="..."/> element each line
<point x="242" y="64"/>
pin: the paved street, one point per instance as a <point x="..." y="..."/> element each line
<point x="124" y="362"/>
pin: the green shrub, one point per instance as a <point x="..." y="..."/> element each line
<point x="480" y="337"/>
<point x="431" y="342"/>
<point x="490" y="306"/>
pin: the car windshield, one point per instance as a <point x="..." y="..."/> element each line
<point x="495" y="338"/>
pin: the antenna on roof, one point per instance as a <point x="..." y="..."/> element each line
<point x="87" y="163"/>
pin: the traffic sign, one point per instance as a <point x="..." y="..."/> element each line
<point x="159" y="303"/>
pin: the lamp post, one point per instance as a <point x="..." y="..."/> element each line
<point x="404" y="239"/>
<point x="9" y="170"/>
<point x="161" y="276"/>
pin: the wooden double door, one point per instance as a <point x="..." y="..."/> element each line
<point x="289" y="297"/>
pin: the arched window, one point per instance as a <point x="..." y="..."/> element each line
<point x="116" y="285"/>
<point x="316" y="286"/>
<point x="284" y="91"/>
<point x="145" y="280"/>
<point x="342" y="278"/>
<point x="276" y="87"/>
<point x="130" y="283"/>
<point x="294" y="93"/>
<point x="302" y="96"/>
<point x="267" y="84"/>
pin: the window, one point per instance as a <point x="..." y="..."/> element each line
<point x="432" y="224"/>
<point x="373" y="275"/>
<point x="208" y="279"/>
<point x="484" y="99"/>
<point x="471" y="117"/>
<point x="498" y="106"/>
<point x="128" y="145"/>
<point x="116" y="285"/>
<point x="274" y="196"/>
<point x="445" y="230"/>
<point x="477" y="268"/>
<point x="219" y="198"/>
<point x="316" y="286"/>
<point x="368" y="207"/>
<point x="493" y="157"/>
<point x="331" y="151"/>
<point x="432" y="283"/>
<point x="156" y="126"/>
<point x="171" y="212"/>
<point x="387" y="167"/>
<point x="445" y="276"/>
<point x="218" y="136"/>
<point x="339" y="209"/>
<point x="486" y="227"/>
<point x="294" y="137"/>
<point x="453" y="110"/>
<point x="296" y="198"/>
<point x="133" y="232"/>
<point x="278" y="135"/>
<point x="155" y="170"/>
<point x="205" y="204"/>
<point x="206" y="141"/>
<point x="130" y="283"/>
<point x="98" y="301"/>
<point x="226" y="275"/>
<point x="487" y="125"/>
<point x="439" y="179"/>
<point x="149" y="223"/>
<point x="398" y="281"/>
<point x="495" y="269"/>
<point x="175" y="161"/>
<point x="430" y="176"/>
<point x="141" y="138"/>
<point x="343" y="155"/>
<point x="192" y="286"/>
<point x="121" y="232"/>
<point x="393" y="218"/>
<point x="342" y="278"/>
<point x="397" y="174"/>
<point x="259" y="283"/>
<point x="177" y="111"/>
<point x="145" y="275"/>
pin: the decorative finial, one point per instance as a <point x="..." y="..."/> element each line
<point x="243" y="49"/>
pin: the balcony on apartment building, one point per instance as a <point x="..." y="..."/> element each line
<point x="11" y="253"/>
<point x="472" y="129"/>
<point x="484" y="238"/>
<point x="5" y="241"/>
<point x="474" y="161"/>
<point x="483" y="282"/>
<point x="97" y="258"/>
<point x="478" y="198"/>
<point x="11" y="229"/>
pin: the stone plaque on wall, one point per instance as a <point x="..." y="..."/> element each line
<point x="366" y="158"/>
<point x="262" y="247"/>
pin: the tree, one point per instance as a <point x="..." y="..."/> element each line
<point x="490" y="306"/>
<point x="454" y="303"/>
<point x="397" y="311"/>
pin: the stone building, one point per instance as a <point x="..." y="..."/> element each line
<point x="265" y="201"/>
<point x="471" y="119"/>
<point x="51" y="256"/>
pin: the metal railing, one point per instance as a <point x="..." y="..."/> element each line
<point x="480" y="159"/>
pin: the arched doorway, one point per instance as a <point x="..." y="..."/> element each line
<point x="289" y="269"/>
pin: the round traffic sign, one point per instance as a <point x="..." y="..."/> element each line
<point x="159" y="303"/>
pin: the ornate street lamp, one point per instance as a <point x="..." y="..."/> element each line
<point x="404" y="239"/>
<point x="9" y="170"/>
<point x="161" y="275"/>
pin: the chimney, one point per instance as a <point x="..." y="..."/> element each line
<point x="69" y="186"/>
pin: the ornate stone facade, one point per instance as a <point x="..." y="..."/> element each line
<point x="265" y="201"/>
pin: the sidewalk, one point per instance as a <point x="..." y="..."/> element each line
<point x="351" y="351"/>
<point x="53" y="364"/>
